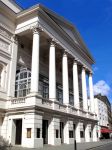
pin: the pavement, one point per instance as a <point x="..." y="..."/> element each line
<point x="80" y="146"/>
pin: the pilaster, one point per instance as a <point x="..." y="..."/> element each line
<point x="13" y="63"/>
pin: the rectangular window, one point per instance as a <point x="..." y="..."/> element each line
<point x="90" y="134"/>
<point x="28" y="132"/>
<point x="82" y="134"/>
<point x="38" y="132"/>
<point x="71" y="134"/>
<point x="57" y="132"/>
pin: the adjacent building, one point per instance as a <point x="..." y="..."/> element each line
<point x="103" y="110"/>
<point x="44" y="64"/>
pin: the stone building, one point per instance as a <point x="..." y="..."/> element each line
<point x="44" y="65"/>
<point x="103" y="111"/>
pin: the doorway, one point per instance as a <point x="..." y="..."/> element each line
<point x="45" y="131"/>
<point x="18" y="136"/>
<point x="62" y="132"/>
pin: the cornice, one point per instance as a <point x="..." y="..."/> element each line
<point x="42" y="110"/>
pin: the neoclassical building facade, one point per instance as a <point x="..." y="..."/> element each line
<point x="45" y="71"/>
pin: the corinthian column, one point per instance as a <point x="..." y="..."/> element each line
<point x="91" y="92"/>
<point x="52" y="72"/>
<point x="35" y="62"/>
<point x="65" y="79"/>
<point x="75" y="84"/>
<point x="84" y="89"/>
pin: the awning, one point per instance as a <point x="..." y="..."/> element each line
<point x="106" y="130"/>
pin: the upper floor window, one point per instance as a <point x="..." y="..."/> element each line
<point x="71" y="99"/>
<point x="59" y="94"/>
<point x="23" y="82"/>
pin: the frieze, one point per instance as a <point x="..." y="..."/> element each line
<point x="4" y="46"/>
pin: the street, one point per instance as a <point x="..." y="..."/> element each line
<point x="104" y="147"/>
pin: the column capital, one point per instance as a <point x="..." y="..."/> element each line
<point x="14" y="38"/>
<point x="36" y="30"/>
<point x="53" y="42"/>
<point x="84" y="68"/>
<point x="65" y="53"/>
<point x="76" y="61"/>
<point x="90" y="73"/>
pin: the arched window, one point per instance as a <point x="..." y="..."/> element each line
<point x="23" y="82"/>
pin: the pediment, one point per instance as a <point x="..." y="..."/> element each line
<point x="68" y="28"/>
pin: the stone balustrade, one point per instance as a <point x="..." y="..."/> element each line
<point x="19" y="100"/>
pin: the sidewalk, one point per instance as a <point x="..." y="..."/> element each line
<point x="80" y="146"/>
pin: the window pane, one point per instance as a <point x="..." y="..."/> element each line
<point x="21" y="76"/>
<point x="23" y="83"/>
<point x="24" y="92"/>
<point x="20" y="93"/>
<point x="28" y="132"/>
<point x="25" y="74"/>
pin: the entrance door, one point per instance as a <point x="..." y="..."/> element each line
<point x="45" y="131"/>
<point x="18" y="138"/>
<point x="61" y="132"/>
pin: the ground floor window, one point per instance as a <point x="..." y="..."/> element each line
<point x="70" y="134"/>
<point x="28" y="132"/>
<point x="82" y="134"/>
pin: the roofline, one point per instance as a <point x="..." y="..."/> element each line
<point x="16" y="3"/>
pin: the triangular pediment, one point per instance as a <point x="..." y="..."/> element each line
<point x="68" y="28"/>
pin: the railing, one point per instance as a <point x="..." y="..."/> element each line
<point x="19" y="100"/>
<point x="62" y="107"/>
<point x="46" y="102"/>
<point x="83" y="113"/>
